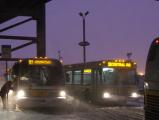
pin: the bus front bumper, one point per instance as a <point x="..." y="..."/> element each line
<point x="41" y="102"/>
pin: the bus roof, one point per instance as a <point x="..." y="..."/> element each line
<point x="129" y="64"/>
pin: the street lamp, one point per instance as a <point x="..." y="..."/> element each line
<point x="84" y="43"/>
<point x="129" y="54"/>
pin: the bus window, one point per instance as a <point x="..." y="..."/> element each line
<point x="152" y="68"/>
<point x="87" y="76"/>
<point x="39" y="75"/>
<point x="97" y="76"/>
<point x="153" y="54"/>
<point x="132" y="78"/>
<point x="69" y="77"/>
<point x="126" y="77"/>
<point x="108" y="76"/>
<point x="77" y="77"/>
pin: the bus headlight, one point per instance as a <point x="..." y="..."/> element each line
<point x="134" y="95"/>
<point x="20" y="94"/>
<point x="62" y="94"/>
<point x="146" y="85"/>
<point x="106" y="95"/>
<point x="10" y="92"/>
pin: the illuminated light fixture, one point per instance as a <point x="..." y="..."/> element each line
<point x="20" y="94"/>
<point x="46" y="57"/>
<point x="35" y="57"/>
<point x="10" y="92"/>
<point x="141" y="73"/>
<point x="119" y="64"/>
<point x="106" y="95"/>
<point x="128" y="64"/>
<point x="146" y="85"/>
<point x="134" y="95"/>
<point x="61" y="61"/>
<point x="39" y="62"/>
<point x="40" y="57"/>
<point x="87" y="70"/>
<point x="157" y="42"/>
<point x="134" y="63"/>
<point x="108" y="69"/>
<point x="20" y="60"/>
<point x="103" y="62"/>
<point x="62" y="94"/>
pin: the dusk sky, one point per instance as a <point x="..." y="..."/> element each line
<point x="113" y="28"/>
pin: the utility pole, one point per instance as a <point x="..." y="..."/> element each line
<point x="129" y="54"/>
<point x="59" y="56"/>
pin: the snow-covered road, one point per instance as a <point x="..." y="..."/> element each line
<point x="133" y="111"/>
<point x="106" y="113"/>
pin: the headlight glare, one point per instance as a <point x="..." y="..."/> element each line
<point x="20" y="94"/>
<point x="134" y="95"/>
<point x="106" y="95"/>
<point x="10" y="92"/>
<point x="62" y="93"/>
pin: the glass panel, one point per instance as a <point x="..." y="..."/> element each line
<point x="39" y="75"/>
<point x="109" y="76"/>
<point x="87" y="76"/>
<point x="126" y="77"/>
<point x="153" y="53"/>
<point x="68" y="77"/>
<point x="98" y="76"/>
<point x="152" y="67"/>
<point x="77" y="77"/>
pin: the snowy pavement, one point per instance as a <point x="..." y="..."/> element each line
<point x="110" y="113"/>
<point x="88" y="113"/>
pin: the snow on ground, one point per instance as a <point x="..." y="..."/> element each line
<point x="113" y="113"/>
<point x="96" y="114"/>
<point x="87" y="113"/>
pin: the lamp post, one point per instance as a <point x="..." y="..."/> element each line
<point x="84" y="43"/>
<point x="129" y="54"/>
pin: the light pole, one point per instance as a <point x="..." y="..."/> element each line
<point x="129" y="54"/>
<point x="84" y="43"/>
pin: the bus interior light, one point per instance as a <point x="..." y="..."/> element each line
<point x="87" y="70"/>
<point x="108" y="69"/>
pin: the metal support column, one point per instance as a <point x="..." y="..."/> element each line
<point x="41" y="42"/>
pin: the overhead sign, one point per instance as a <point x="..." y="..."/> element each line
<point x="6" y="51"/>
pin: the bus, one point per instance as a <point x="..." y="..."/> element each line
<point x="107" y="81"/>
<point x="40" y="83"/>
<point x="151" y="83"/>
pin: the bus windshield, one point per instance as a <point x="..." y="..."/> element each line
<point x="152" y="68"/>
<point x="113" y="76"/>
<point x="38" y="75"/>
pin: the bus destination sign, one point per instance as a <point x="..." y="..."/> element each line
<point x="39" y="62"/>
<point x="119" y="64"/>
